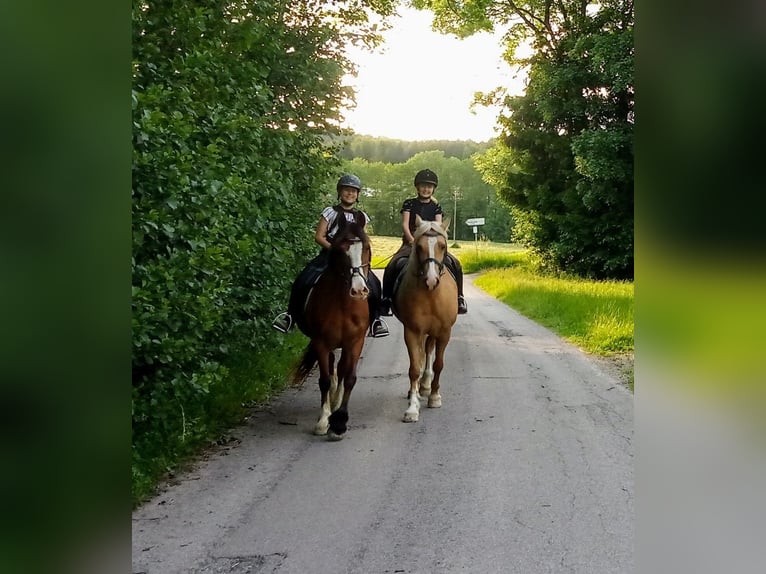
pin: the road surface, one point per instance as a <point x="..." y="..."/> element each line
<point x="527" y="468"/>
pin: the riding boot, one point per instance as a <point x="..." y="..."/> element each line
<point x="385" y="307"/>
<point x="462" y="308"/>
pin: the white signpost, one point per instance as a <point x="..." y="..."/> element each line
<point x="474" y="222"/>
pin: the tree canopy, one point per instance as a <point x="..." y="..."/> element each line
<point x="565" y="159"/>
<point x="388" y="150"/>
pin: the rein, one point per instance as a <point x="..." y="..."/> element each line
<point x="355" y="270"/>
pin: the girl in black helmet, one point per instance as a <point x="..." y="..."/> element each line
<point x="429" y="210"/>
<point x="348" y="187"/>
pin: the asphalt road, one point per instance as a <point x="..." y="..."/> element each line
<point x="526" y="468"/>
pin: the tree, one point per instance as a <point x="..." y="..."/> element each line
<point x="565" y="160"/>
<point x="390" y="150"/>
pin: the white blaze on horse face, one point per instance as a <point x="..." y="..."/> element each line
<point x="358" y="284"/>
<point x="432" y="273"/>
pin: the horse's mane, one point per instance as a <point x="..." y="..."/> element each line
<point x="435" y="226"/>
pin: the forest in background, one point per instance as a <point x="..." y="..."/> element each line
<point x="388" y="150"/>
<point x="462" y="192"/>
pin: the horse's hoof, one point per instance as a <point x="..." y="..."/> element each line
<point x="410" y="417"/>
<point x="334" y="437"/>
<point x="320" y="430"/>
<point x="434" y="402"/>
<point x="338" y="431"/>
<point x="338" y="422"/>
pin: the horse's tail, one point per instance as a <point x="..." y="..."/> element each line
<point x="303" y="367"/>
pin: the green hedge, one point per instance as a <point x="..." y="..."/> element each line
<point x="231" y="111"/>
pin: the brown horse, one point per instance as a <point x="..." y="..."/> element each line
<point x="337" y="317"/>
<point x="425" y="301"/>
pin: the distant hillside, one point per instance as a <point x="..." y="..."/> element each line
<point x="387" y="150"/>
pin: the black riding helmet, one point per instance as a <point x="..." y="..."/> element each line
<point x="426" y="176"/>
<point x="349" y="180"/>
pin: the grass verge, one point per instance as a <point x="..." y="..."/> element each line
<point x="597" y="316"/>
<point x="252" y="379"/>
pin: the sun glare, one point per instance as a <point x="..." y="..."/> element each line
<point x="419" y="85"/>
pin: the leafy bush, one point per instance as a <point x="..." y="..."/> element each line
<point x="232" y="109"/>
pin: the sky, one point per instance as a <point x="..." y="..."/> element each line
<point x="394" y="97"/>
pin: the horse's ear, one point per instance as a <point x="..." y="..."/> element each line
<point x="445" y="223"/>
<point x="418" y="221"/>
<point x="360" y="219"/>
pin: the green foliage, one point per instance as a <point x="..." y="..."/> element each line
<point x="565" y="160"/>
<point x="387" y="150"/>
<point x="570" y="138"/>
<point x="477" y="260"/>
<point x="233" y="106"/>
<point x="251" y="378"/>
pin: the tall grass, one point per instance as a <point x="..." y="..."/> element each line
<point x="595" y="315"/>
<point x="473" y="255"/>
<point x="383" y="248"/>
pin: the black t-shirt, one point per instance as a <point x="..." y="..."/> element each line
<point x="427" y="211"/>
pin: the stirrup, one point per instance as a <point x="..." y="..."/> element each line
<point x="282" y="322"/>
<point x="380" y="324"/>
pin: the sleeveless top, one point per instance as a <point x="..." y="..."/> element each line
<point x="427" y="211"/>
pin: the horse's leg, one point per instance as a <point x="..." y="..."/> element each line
<point x="326" y="384"/>
<point x="415" y="350"/>
<point x="347" y="373"/>
<point x="336" y="384"/>
<point x="435" y="399"/>
<point x="428" y="370"/>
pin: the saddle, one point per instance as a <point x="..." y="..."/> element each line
<point x="303" y="287"/>
<point x="398" y="269"/>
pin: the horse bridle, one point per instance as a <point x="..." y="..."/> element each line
<point x="425" y="262"/>
<point x="358" y="270"/>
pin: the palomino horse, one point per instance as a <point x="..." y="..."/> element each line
<point x="337" y="317"/>
<point x="426" y="304"/>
